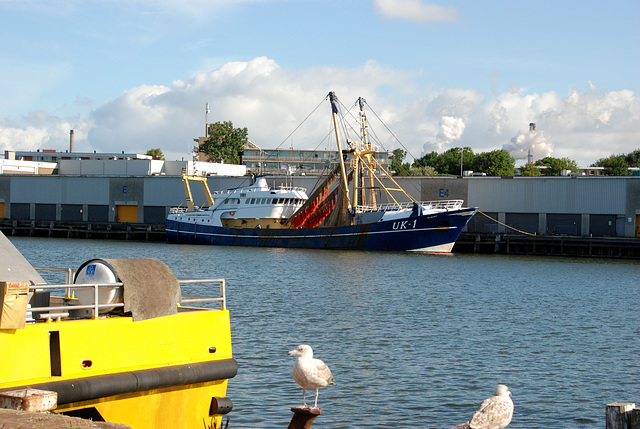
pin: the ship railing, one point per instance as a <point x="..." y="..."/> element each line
<point x="426" y="205"/>
<point x="222" y="299"/>
<point x="288" y="188"/>
<point x="62" y="311"/>
<point x="174" y="210"/>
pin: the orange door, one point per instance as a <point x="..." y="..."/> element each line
<point x="1" y="210"/>
<point x="127" y="213"/>
<point x="637" y="225"/>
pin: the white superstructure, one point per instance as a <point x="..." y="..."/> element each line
<point x="257" y="201"/>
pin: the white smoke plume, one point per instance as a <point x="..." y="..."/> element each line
<point x="532" y="141"/>
<point x="451" y="129"/>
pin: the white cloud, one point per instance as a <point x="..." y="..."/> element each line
<point x="415" y="11"/>
<point x="39" y="131"/>
<point x="271" y="101"/>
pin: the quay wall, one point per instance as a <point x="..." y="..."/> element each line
<point x="585" y="207"/>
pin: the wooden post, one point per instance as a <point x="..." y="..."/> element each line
<point x="634" y="419"/>
<point x="303" y="417"/>
<point x="618" y="415"/>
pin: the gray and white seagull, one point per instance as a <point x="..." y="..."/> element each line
<point x="494" y="413"/>
<point x="310" y="373"/>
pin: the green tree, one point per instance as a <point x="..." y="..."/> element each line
<point x="633" y="158"/>
<point x="422" y="171"/>
<point x="155" y="153"/>
<point x="428" y="160"/>
<point x="556" y="165"/>
<point x="495" y="163"/>
<point x="530" y="170"/>
<point x="225" y="143"/>
<point x="400" y="168"/>
<point x="449" y="162"/>
<point x="615" y="165"/>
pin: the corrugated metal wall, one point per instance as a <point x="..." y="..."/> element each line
<point x="599" y="205"/>
<point x="601" y="195"/>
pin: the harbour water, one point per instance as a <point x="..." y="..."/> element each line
<point x="413" y="340"/>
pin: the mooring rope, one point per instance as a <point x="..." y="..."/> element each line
<point x="504" y="224"/>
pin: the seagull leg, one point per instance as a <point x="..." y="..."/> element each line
<point x="315" y="406"/>
<point x="304" y="400"/>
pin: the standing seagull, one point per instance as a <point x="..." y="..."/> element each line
<point x="310" y="373"/>
<point x="493" y="413"/>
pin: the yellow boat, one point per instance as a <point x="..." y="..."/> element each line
<point x="120" y="343"/>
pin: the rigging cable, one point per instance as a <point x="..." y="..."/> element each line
<point x="300" y="124"/>
<point x="415" y="186"/>
<point x="504" y="224"/>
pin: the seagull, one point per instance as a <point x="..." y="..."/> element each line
<point x="493" y="413"/>
<point x="310" y="373"/>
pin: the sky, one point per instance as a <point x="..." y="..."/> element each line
<point x="131" y="75"/>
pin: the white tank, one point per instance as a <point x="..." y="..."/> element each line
<point x="97" y="272"/>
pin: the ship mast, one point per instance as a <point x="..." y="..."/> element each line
<point x="343" y="171"/>
<point x="368" y="154"/>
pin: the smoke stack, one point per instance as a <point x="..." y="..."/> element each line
<point x="529" y="158"/>
<point x="71" y="141"/>
<point x="532" y="127"/>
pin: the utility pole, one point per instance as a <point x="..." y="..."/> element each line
<point x="461" y="157"/>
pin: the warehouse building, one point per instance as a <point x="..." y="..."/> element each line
<point x="140" y="193"/>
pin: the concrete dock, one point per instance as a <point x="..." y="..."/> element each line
<point x="487" y="243"/>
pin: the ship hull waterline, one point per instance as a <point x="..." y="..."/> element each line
<point x="430" y="233"/>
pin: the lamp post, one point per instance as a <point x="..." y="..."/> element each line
<point x="461" y="157"/>
<point x="206" y="121"/>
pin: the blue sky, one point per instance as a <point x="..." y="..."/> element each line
<point x="134" y="75"/>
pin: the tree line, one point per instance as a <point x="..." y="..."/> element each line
<point x="500" y="163"/>
<point x="226" y="144"/>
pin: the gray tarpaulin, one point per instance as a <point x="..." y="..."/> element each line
<point x="150" y="287"/>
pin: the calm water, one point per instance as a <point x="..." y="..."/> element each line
<point x="412" y="340"/>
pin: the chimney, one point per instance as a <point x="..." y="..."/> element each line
<point x="71" y="141"/>
<point x="532" y="127"/>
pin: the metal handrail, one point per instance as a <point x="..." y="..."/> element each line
<point x="288" y="188"/>
<point x="429" y="205"/>
<point x="223" y="292"/>
<point x="178" y="209"/>
<point x="96" y="306"/>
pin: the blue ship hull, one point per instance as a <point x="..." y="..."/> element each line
<point x="426" y="233"/>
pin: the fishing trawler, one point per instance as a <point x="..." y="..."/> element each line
<point x="343" y="212"/>
<point x="118" y="343"/>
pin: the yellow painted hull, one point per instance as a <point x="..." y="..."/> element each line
<point x="98" y="351"/>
